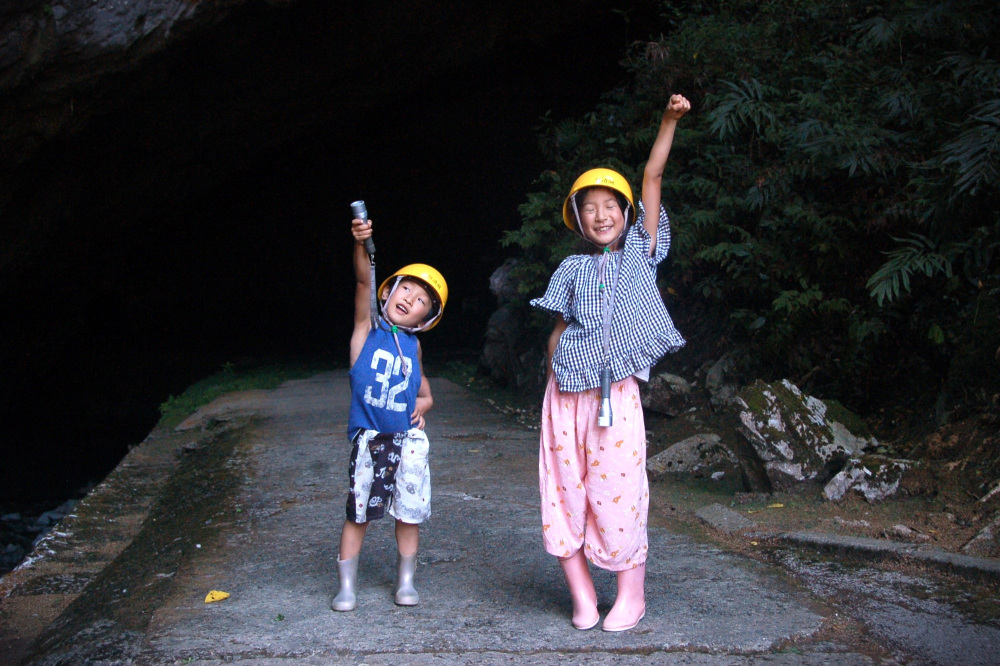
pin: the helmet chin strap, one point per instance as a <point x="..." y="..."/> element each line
<point x="409" y="329"/>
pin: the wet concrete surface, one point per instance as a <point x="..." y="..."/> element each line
<point x="919" y="615"/>
<point x="249" y="499"/>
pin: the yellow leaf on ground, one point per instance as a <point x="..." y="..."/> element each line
<point x="216" y="595"/>
<point x="776" y="505"/>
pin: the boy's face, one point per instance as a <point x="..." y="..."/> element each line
<point x="409" y="305"/>
<point x="601" y="217"/>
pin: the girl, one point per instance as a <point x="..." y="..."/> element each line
<point x="614" y="327"/>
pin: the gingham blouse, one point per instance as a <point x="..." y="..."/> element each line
<point x="641" y="331"/>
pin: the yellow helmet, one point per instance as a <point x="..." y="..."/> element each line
<point x="429" y="276"/>
<point x="595" y="178"/>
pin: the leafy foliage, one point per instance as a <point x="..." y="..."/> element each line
<point x="917" y="255"/>
<point x="834" y="193"/>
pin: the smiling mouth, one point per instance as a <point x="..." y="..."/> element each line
<point x="401" y="309"/>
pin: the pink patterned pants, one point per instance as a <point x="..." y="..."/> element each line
<point x="592" y="480"/>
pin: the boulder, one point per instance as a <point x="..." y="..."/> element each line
<point x="715" y="376"/>
<point x="512" y="353"/>
<point x="512" y="357"/>
<point x="723" y="518"/>
<point x="908" y="532"/>
<point x="873" y="477"/>
<point x="986" y="543"/>
<point x="503" y="284"/>
<point x="725" y="396"/>
<point x="699" y="455"/>
<point x="666" y="394"/>
<point x="797" y="437"/>
<point x="722" y="392"/>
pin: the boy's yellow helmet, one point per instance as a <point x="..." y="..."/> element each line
<point x="595" y="178"/>
<point x="429" y="276"/>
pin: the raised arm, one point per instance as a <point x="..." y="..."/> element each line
<point x="363" y="287"/>
<point x="652" y="177"/>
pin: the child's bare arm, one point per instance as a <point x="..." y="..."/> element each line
<point x="424" y="403"/>
<point x="424" y="399"/>
<point x="550" y="349"/>
<point x="652" y="177"/>
<point x="363" y="287"/>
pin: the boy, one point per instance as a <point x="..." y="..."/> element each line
<point x="389" y="398"/>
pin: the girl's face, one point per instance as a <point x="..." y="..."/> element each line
<point x="409" y="305"/>
<point x="601" y="216"/>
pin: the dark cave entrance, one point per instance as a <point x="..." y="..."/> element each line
<point x="200" y="217"/>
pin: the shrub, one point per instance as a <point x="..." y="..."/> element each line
<point x="834" y="192"/>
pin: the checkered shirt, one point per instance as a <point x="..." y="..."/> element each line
<point x="641" y="331"/>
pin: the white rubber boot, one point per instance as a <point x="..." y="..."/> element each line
<point x="346" y="599"/>
<point x="406" y="594"/>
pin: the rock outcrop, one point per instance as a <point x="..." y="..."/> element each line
<point x="873" y="477"/>
<point x="53" y="57"/>
<point x="797" y="437"/>
<point x="511" y="355"/>
<point x="666" y="393"/>
<point x="702" y="455"/>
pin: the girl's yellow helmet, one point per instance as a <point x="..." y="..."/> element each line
<point x="429" y="276"/>
<point x="595" y="178"/>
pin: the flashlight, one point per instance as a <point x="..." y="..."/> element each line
<point x="360" y="212"/>
<point x="604" y="415"/>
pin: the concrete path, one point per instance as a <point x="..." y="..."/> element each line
<point x="250" y="499"/>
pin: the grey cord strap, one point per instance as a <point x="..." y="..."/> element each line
<point x="374" y="302"/>
<point x="605" y="417"/>
<point x="377" y="319"/>
<point x="608" y="300"/>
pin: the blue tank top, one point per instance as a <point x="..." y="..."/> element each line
<point x="382" y="398"/>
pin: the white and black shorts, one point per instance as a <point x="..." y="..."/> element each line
<point x="389" y="471"/>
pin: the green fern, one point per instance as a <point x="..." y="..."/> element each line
<point x="743" y="107"/>
<point x="976" y="151"/>
<point x="918" y="255"/>
<point x="822" y="135"/>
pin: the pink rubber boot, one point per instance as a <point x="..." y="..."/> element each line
<point x="581" y="589"/>
<point x="630" y="605"/>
